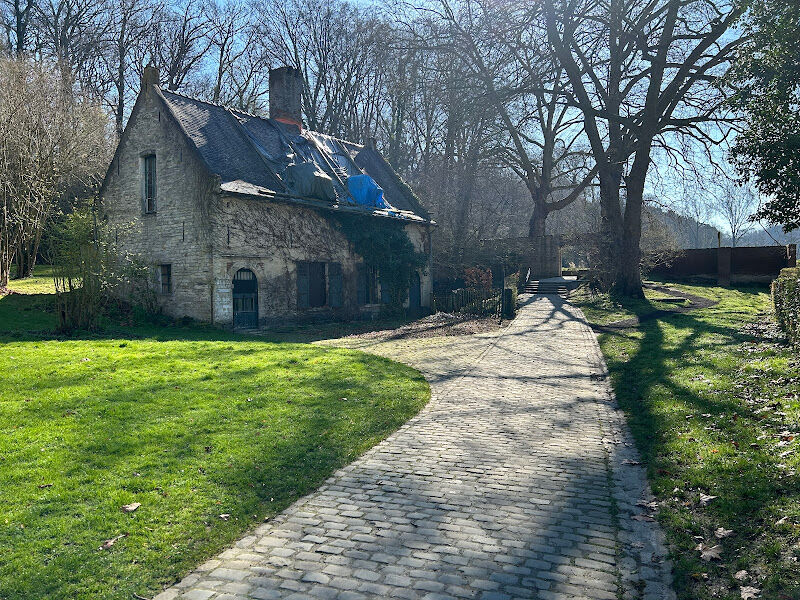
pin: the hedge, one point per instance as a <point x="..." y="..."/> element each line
<point x="786" y="299"/>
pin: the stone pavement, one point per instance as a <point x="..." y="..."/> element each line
<point x="515" y="481"/>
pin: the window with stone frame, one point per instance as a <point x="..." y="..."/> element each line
<point x="311" y="285"/>
<point x="367" y="284"/>
<point x="149" y="183"/>
<point x="335" y="285"/>
<point x="165" y="278"/>
<point x="319" y="284"/>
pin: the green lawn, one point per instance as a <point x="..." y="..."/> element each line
<point x="713" y="400"/>
<point x="191" y="422"/>
<point x="602" y="310"/>
<point x="40" y="283"/>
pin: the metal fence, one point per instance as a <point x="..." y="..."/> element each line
<point x="479" y="302"/>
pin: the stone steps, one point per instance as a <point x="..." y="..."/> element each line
<point x="558" y="288"/>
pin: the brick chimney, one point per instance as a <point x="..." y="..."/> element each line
<point x="150" y="75"/>
<point x="285" y="95"/>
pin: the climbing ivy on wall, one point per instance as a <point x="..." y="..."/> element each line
<point x="384" y="245"/>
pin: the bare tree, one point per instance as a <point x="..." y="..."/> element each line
<point x="343" y="52"/>
<point x="228" y="22"/>
<point x="15" y="20"/>
<point x="179" y="41"/>
<point x="640" y="71"/>
<point x="49" y="142"/>
<point x="72" y="32"/>
<point x="697" y="207"/>
<point x="735" y="204"/>
<point x="128" y="27"/>
<point x="503" y="46"/>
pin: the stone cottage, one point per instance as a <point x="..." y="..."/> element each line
<point x="241" y="216"/>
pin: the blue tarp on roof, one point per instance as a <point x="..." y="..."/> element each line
<point x="247" y="152"/>
<point x="366" y="192"/>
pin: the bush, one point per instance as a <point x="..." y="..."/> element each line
<point x="786" y="299"/>
<point x="92" y="278"/>
<point x="477" y="278"/>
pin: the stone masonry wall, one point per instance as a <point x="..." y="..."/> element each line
<point x="177" y="233"/>
<point x="206" y="237"/>
<point x="269" y="238"/>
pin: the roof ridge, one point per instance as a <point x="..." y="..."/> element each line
<point x="249" y="114"/>
<point x="337" y="138"/>
<point x="202" y="101"/>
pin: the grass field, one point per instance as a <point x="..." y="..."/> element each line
<point x="40" y="283"/>
<point x="210" y="432"/>
<point x="713" y="399"/>
<point x="602" y="310"/>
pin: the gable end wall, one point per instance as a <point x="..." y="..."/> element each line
<point x="178" y="232"/>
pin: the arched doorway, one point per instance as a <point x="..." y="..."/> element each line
<point x="415" y="295"/>
<point x="245" y="299"/>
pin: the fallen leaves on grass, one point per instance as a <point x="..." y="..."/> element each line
<point x="749" y="592"/>
<point x="741" y="575"/>
<point x="705" y="499"/>
<point x="110" y="542"/>
<point x="721" y="532"/>
<point x="129" y="508"/>
<point x="225" y="516"/>
<point x="709" y="553"/>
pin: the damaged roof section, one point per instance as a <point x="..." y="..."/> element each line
<point x="271" y="159"/>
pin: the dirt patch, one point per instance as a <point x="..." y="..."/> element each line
<point x="437" y="325"/>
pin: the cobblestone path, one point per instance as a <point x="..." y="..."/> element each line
<point x="514" y="482"/>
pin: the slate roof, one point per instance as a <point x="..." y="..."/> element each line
<point x="250" y="155"/>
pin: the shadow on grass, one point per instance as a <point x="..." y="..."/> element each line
<point x="185" y="420"/>
<point x="686" y="435"/>
<point x="33" y="316"/>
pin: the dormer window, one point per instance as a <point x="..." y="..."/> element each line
<point x="149" y="183"/>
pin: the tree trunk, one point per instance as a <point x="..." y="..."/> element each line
<point x="25" y="257"/>
<point x="629" y="275"/>
<point x="4" y="273"/>
<point x="628" y="280"/>
<point x="25" y="263"/>
<point x="609" y="247"/>
<point x="538" y="220"/>
<point x="464" y="206"/>
<point x="119" y="117"/>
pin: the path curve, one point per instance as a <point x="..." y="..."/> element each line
<point x="518" y="480"/>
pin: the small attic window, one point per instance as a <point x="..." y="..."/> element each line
<point x="149" y="183"/>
